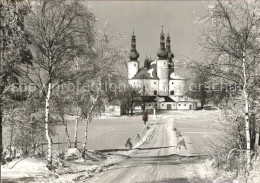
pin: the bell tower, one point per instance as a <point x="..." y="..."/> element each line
<point x="133" y="64"/>
<point x="163" y="67"/>
<point x="170" y="54"/>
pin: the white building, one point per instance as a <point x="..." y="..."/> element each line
<point x="157" y="80"/>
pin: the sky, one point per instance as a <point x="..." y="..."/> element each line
<point x="147" y="19"/>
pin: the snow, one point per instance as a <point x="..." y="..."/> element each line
<point x="200" y="172"/>
<point x="153" y="62"/>
<point x="115" y="131"/>
<point x="72" y="152"/>
<point x="151" y="72"/>
<point x="175" y="76"/>
<point x="28" y="165"/>
<point x="144" y="138"/>
<point x="25" y="169"/>
<point x="82" y="169"/>
<point x="183" y="99"/>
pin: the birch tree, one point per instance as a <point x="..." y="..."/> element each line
<point x="103" y="84"/>
<point x="58" y="31"/>
<point x="232" y="42"/>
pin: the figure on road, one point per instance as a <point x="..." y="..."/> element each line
<point x="181" y="143"/>
<point x="128" y="143"/>
<point x="145" y="117"/>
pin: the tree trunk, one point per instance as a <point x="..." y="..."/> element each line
<point x="47" y="121"/>
<point x="203" y="96"/>
<point x="86" y="126"/>
<point x="252" y="122"/>
<point x="76" y="133"/>
<point x="1" y="87"/>
<point x="86" y="138"/>
<point x="248" y="144"/>
<point x="1" y="132"/>
<point x="257" y="136"/>
<point x="11" y="139"/>
<point x="67" y="134"/>
<point x="246" y="115"/>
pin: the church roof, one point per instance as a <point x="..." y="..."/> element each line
<point x="150" y="73"/>
<point x="145" y="73"/>
<point x="183" y="99"/>
<point x="173" y="75"/>
<point x="158" y="99"/>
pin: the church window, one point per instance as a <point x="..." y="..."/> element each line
<point x="162" y="104"/>
<point x="172" y="92"/>
<point x="134" y="64"/>
<point x="155" y="92"/>
<point x="179" y="104"/>
<point x="134" y="83"/>
<point x="154" y="82"/>
<point x="184" y="104"/>
<point x="172" y="82"/>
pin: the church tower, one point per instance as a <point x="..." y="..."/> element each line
<point x="170" y="54"/>
<point x="133" y="64"/>
<point x="163" y="67"/>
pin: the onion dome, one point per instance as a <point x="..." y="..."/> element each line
<point x="134" y="55"/>
<point x="162" y="53"/>
<point x="168" y="48"/>
<point x="146" y="63"/>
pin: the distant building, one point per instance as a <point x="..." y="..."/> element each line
<point x="115" y="108"/>
<point x="161" y="86"/>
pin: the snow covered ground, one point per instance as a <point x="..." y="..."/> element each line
<point x="107" y="134"/>
<point x="110" y="133"/>
<point x="153" y="159"/>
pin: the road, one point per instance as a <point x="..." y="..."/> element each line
<point x="158" y="160"/>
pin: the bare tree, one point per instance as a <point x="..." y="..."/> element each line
<point x="104" y="84"/>
<point x="59" y="32"/>
<point x="232" y="41"/>
<point x="131" y="98"/>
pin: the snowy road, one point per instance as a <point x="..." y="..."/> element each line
<point x="157" y="160"/>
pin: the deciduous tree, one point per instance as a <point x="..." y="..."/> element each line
<point x="59" y="31"/>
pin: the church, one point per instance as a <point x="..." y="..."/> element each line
<point x="159" y="84"/>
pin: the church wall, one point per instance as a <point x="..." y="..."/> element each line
<point x="151" y="85"/>
<point x="186" y="105"/>
<point x="163" y="87"/>
<point x="167" y="105"/>
<point x="177" y="86"/>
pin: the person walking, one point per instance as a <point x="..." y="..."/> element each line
<point x="145" y="117"/>
<point x="128" y="143"/>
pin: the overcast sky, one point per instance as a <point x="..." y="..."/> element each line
<point x="147" y="17"/>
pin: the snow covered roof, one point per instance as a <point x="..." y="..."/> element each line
<point x="183" y="99"/>
<point x="174" y="76"/>
<point x="158" y="99"/>
<point x="164" y="99"/>
<point x="150" y="72"/>
<point x="145" y="73"/>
